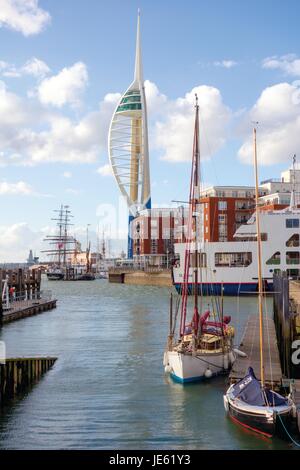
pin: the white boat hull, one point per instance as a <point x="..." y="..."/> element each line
<point x="185" y="367"/>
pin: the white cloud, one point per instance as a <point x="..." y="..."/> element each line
<point x="65" y="87"/>
<point x="21" y="188"/>
<point x="16" y="240"/>
<point x="30" y="133"/>
<point x="16" y="188"/>
<point x="35" y="67"/>
<point x="24" y="16"/>
<point x="289" y="64"/>
<point x="67" y="174"/>
<point x="278" y="112"/>
<point x="174" y="134"/>
<point x="105" y="170"/>
<point x="74" y="192"/>
<point x="227" y="64"/>
<point x="61" y="139"/>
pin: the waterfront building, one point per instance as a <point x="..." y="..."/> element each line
<point x="128" y="144"/>
<point x="154" y="232"/>
<point x="224" y="209"/>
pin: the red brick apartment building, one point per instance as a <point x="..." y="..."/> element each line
<point x="223" y="209"/>
<point x="154" y="232"/>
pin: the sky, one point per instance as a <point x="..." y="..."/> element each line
<point x="63" y="66"/>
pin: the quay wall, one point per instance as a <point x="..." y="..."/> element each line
<point x="26" y="309"/>
<point x="16" y="375"/>
<point x="147" y="277"/>
<point x="287" y="322"/>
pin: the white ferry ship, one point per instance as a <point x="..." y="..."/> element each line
<point x="231" y="267"/>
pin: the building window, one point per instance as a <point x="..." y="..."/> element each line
<point x="233" y="260"/>
<point x="222" y="238"/>
<point x="206" y="229"/>
<point x="295" y="273"/>
<point x="153" y="222"/>
<point x="292" y="257"/>
<point x="292" y="223"/>
<point x="293" y="240"/>
<point x="153" y="247"/>
<point x="201" y="260"/>
<point x="222" y="218"/>
<point x="275" y="258"/>
<point x="222" y="229"/>
<point x="222" y="205"/>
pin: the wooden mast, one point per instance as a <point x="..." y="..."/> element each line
<point x="194" y="214"/>
<point x="259" y="265"/>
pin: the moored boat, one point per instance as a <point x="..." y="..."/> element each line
<point x="249" y="402"/>
<point x="203" y="347"/>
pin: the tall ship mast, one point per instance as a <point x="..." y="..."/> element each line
<point x="62" y="244"/>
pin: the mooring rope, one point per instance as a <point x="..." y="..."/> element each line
<point x="209" y="363"/>
<point x="288" y="434"/>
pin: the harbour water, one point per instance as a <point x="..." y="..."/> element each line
<point x="108" y="389"/>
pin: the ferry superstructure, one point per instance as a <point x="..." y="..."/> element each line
<point x="231" y="267"/>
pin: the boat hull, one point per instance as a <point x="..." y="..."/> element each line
<point x="228" y="289"/>
<point x="263" y="422"/>
<point x="186" y="368"/>
<point x="55" y="276"/>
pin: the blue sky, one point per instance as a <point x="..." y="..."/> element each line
<point x="235" y="50"/>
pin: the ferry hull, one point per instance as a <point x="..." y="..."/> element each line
<point x="229" y="289"/>
<point x="185" y="368"/>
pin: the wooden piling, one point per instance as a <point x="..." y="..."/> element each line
<point x="16" y="375"/>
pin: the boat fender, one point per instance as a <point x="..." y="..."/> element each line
<point x="240" y="353"/>
<point x="165" y="361"/>
<point x="226" y="361"/>
<point x="168" y="369"/>
<point x="208" y="373"/>
<point x="232" y="357"/>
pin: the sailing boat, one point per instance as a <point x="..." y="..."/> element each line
<point x="204" y="346"/>
<point x="62" y="244"/>
<point x="249" y="402"/>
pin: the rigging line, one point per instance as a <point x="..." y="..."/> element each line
<point x="252" y="342"/>
<point x="239" y="290"/>
<point x="269" y="344"/>
<point x="209" y="148"/>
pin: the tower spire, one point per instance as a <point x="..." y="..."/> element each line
<point x="138" y="70"/>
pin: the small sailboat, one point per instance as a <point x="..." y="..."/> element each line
<point x="250" y="402"/>
<point x="204" y="346"/>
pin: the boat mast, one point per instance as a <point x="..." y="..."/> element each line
<point x="192" y="235"/>
<point x="194" y="201"/>
<point x="259" y="264"/>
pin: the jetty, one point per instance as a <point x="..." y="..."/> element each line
<point x="18" y="374"/>
<point x="21" y="295"/>
<point x="250" y="346"/>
